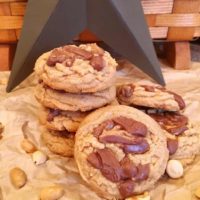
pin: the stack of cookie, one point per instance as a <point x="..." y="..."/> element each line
<point x="165" y="107"/>
<point x="73" y="80"/>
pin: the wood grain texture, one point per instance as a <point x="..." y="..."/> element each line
<point x="6" y="56"/>
<point x="3" y="1"/>
<point x="157" y="6"/>
<point x="8" y="36"/>
<point x="174" y="20"/>
<point x="197" y="32"/>
<point x="11" y="22"/>
<point x="185" y="6"/>
<point x="158" y="32"/>
<point x="18" y="8"/>
<point x="181" y="32"/>
<point x="5" y="9"/>
<point x="178" y="54"/>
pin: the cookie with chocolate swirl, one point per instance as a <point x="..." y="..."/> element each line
<point x="120" y="151"/>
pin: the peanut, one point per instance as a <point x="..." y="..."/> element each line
<point x="28" y="146"/>
<point x="51" y="193"/>
<point x="174" y="169"/>
<point x="18" y="177"/>
<point x="39" y="157"/>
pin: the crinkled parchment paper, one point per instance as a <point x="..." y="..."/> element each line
<point x="20" y="106"/>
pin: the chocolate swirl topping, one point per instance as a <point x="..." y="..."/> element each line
<point x="67" y="55"/>
<point x="173" y="123"/>
<point x="130" y="136"/>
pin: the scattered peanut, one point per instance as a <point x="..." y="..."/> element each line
<point x="144" y="196"/>
<point x="28" y="146"/>
<point x="174" y="169"/>
<point x="18" y="177"/>
<point x="197" y="192"/>
<point x="39" y="157"/>
<point x="51" y="193"/>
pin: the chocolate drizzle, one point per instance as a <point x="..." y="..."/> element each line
<point x="67" y="55"/>
<point x="172" y="145"/>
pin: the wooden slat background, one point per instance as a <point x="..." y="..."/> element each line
<point x="164" y="18"/>
<point x="172" y="20"/>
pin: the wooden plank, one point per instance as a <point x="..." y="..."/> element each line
<point x="181" y="32"/>
<point x="174" y="20"/>
<point x="18" y="8"/>
<point x="3" y="1"/>
<point x="157" y="6"/>
<point x="7" y="36"/>
<point x="11" y="22"/>
<point x="185" y="6"/>
<point x="6" y="56"/>
<point x="178" y="54"/>
<point x="197" y="32"/>
<point x="5" y="9"/>
<point x="158" y="32"/>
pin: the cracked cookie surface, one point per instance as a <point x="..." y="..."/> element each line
<point x="149" y="96"/>
<point x="120" y="151"/>
<point x="86" y="68"/>
<point x="73" y="102"/>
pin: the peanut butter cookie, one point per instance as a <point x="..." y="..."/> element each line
<point x="59" y="120"/>
<point x="73" y="102"/>
<point x="59" y="142"/>
<point x="83" y="69"/>
<point x="120" y="151"/>
<point x="149" y="96"/>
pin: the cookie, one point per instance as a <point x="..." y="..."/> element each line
<point x="73" y="102"/>
<point x="120" y="151"/>
<point x="83" y="69"/>
<point x="58" y="120"/>
<point x="61" y="143"/>
<point x="182" y="136"/>
<point x="149" y="96"/>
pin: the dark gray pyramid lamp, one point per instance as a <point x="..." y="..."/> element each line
<point x="52" y="23"/>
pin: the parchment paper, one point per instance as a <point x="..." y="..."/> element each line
<point x="20" y="106"/>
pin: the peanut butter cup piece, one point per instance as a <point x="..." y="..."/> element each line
<point x="131" y="126"/>
<point x="172" y="145"/>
